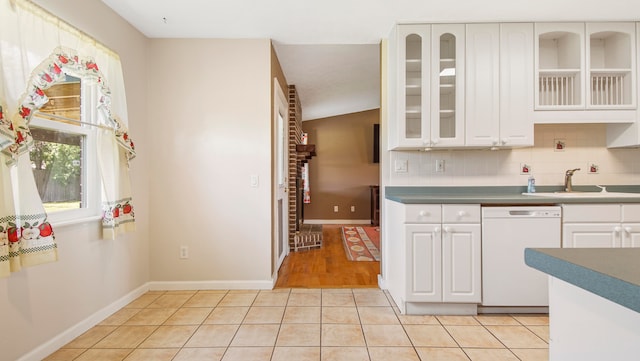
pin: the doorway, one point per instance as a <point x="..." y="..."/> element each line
<point x="281" y="163"/>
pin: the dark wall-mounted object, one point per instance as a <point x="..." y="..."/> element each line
<point x="376" y="143"/>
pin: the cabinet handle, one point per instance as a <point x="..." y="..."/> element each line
<point x="617" y="229"/>
<point x="435" y="141"/>
<point x="627" y="229"/>
<point x="436" y="230"/>
<point x="422" y="213"/>
<point x="504" y="141"/>
<point x="462" y="213"/>
<point x="447" y="229"/>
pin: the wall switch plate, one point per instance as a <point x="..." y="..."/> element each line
<point x="255" y="181"/>
<point x="525" y="169"/>
<point x="401" y="166"/>
<point x="353" y="208"/>
<point x="184" y="252"/>
<point x="335" y="209"/>
<point x="593" y="168"/>
<point x="440" y="165"/>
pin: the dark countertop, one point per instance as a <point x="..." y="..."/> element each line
<point x="498" y="195"/>
<point x="612" y="273"/>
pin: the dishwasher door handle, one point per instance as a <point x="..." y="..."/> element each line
<point x="522" y="213"/>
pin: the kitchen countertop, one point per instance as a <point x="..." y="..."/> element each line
<point x="612" y="273"/>
<point x="498" y="195"/>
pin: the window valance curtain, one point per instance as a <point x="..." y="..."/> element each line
<point x="36" y="50"/>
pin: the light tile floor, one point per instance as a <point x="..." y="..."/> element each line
<point x="300" y="325"/>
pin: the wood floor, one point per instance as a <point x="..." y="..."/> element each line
<point x="327" y="267"/>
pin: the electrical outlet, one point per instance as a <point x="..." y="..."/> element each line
<point x="353" y="208"/>
<point x="335" y="209"/>
<point x="440" y="165"/>
<point x="184" y="252"/>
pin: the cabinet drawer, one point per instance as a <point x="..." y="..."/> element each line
<point x="631" y="212"/>
<point x="423" y="213"/>
<point x="460" y="213"/>
<point x="599" y="213"/>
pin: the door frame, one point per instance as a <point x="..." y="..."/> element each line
<point x="280" y="177"/>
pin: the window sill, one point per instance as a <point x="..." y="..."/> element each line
<point x="72" y="222"/>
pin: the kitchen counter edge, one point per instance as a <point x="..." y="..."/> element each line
<point x="612" y="273"/>
<point x="501" y="195"/>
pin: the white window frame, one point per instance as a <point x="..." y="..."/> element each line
<point x="91" y="195"/>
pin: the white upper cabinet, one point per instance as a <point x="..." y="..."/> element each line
<point x="610" y="63"/>
<point x="516" y="84"/>
<point x="448" y="75"/>
<point x="410" y="57"/>
<point x="585" y="72"/>
<point x="560" y="65"/>
<point x="482" y="83"/>
<point x="499" y="85"/>
<point x="627" y="135"/>
<point x="427" y="79"/>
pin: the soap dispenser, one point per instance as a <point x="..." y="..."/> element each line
<point x="531" y="184"/>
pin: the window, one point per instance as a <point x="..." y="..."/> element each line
<point x="63" y="156"/>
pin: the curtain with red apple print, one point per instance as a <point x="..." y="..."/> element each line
<point x="115" y="146"/>
<point x="36" y="50"/>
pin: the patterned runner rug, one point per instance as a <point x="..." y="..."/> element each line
<point x="361" y="243"/>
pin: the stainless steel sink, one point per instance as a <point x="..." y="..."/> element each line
<point x="584" y="194"/>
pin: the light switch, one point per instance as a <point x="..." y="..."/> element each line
<point x="255" y="181"/>
<point x="401" y="166"/>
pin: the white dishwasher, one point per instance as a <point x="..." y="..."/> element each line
<point x="506" y="231"/>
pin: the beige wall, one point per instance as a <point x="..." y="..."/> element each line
<point x="40" y="303"/>
<point x="343" y="169"/>
<point x="210" y="107"/>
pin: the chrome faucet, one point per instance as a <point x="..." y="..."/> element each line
<point x="567" y="179"/>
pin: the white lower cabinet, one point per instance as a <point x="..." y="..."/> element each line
<point x="438" y="258"/>
<point x="444" y="262"/>
<point x="461" y="263"/>
<point x="600" y="225"/>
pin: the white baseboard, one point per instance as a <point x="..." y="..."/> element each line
<point x="337" y="221"/>
<point x="83" y="326"/>
<point x="211" y="285"/>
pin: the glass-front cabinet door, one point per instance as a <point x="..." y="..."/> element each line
<point x="447" y="97"/>
<point x="413" y="86"/>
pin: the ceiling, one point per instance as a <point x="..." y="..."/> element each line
<point x="329" y="48"/>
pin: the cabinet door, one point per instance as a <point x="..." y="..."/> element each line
<point x="630" y="235"/>
<point x="413" y="86"/>
<point x="482" y="85"/>
<point x="447" y="94"/>
<point x="516" y="84"/>
<point x="577" y="235"/>
<point x="461" y="263"/>
<point x="424" y="263"/>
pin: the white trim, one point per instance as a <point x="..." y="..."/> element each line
<point x="337" y="221"/>
<point x="211" y="285"/>
<point x="83" y="326"/>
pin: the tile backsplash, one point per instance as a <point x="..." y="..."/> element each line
<point x="584" y="145"/>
